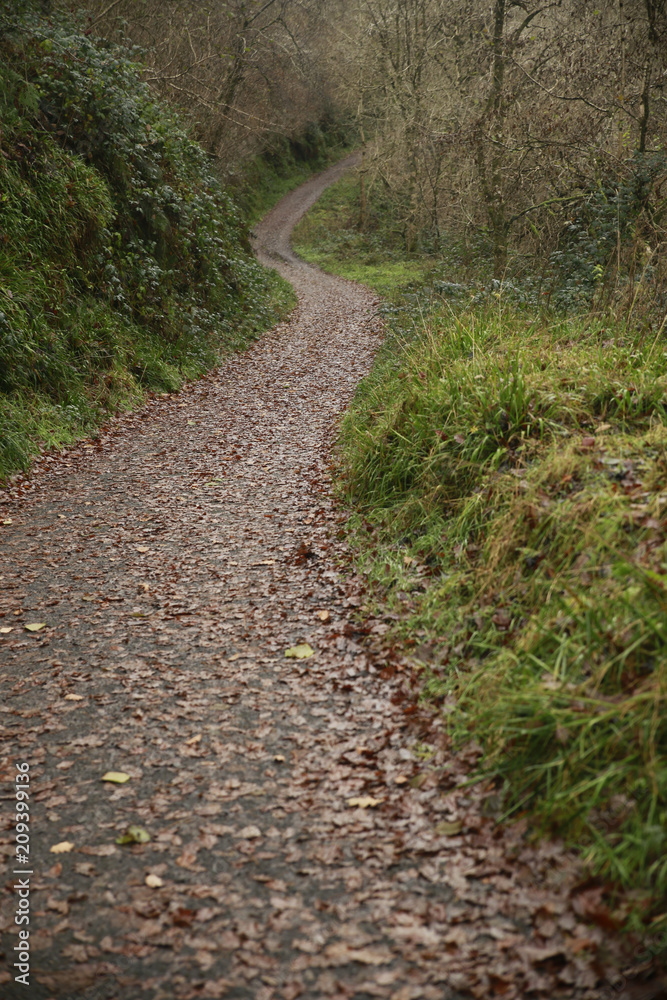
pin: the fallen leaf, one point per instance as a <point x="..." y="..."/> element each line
<point x="279" y="758"/>
<point x="341" y="953"/>
<point x="578" y="944"/>
<point x="447" y="829"/>
<point x="153" y="881"/>
<point x="400" y="779"/>
<point x="364" y="802"/>
<point x="7" y="520"/>
<point x="249" y="833"/>
<point x="116" y="777"/>
<point x="64" y="847"/>
<point x="301" y="652"/>
<point x="134" y="835"/>
<point x="85" y="868"/>
<point x="99" y="850"/>
<point x="141" y="548"/>
<point x="5" y="629"/>
<point x="35" y="626"/>
<point x="193" y="739"/>
<point x="323" y="616"/>
<point x="73" y="697"/>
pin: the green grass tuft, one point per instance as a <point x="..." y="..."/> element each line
<point x="506" y="472"/>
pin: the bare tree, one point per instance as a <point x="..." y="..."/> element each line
<point x="241" y="68"/>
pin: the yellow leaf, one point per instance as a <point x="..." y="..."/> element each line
<point x="73" y="697"/>
<point x="279" y="758"/>
<point x="153" y="881"/>
<point x="116" y="777"/>
<point x="35" y="626"/>
<point x="446" y="829"/>
<point x="301" y="652"/>
<point x="323" y="616"/>
<point x="364" y="802"/>
<point x="7" y="520"/>
<point x="62" y="848"/>
<point x="5" y="629"/>
<point x="134" y="835"/>
<point x="400" y="779"/>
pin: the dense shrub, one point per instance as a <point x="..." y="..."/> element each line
<point x="123" y="264"/>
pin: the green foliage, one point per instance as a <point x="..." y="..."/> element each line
<point x="286" y="163"/>
<point x="123" y="264"/>
<point x="328" y="236"/>
<point x="604" y="229"/>
<point x="508" y="479"/>
<point x="505" y="471"/>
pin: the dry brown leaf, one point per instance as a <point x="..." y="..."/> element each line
<point x="99" y="850"/>
<point x="249" y="833"/>
<point x="340" y="953"/>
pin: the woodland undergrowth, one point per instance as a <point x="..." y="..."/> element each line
<point x="505" y="471"/>
<point x="125" y="267"/>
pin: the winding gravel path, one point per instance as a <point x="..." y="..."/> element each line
<point x="173" y="562"/>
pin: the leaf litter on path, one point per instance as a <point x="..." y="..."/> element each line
<point x="272" y="884"/>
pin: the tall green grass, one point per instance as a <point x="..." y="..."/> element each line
<point x="506" y="469"/>
<point x="509" y="479"/>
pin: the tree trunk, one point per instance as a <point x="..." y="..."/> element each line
<point x="363" y="208"/>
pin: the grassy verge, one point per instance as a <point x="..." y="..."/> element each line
<point x="327" y="236"/>
<point x="124" y="266"/>
<point x="507" y="471"/>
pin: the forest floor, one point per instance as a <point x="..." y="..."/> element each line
<point x="308" y="833"/>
